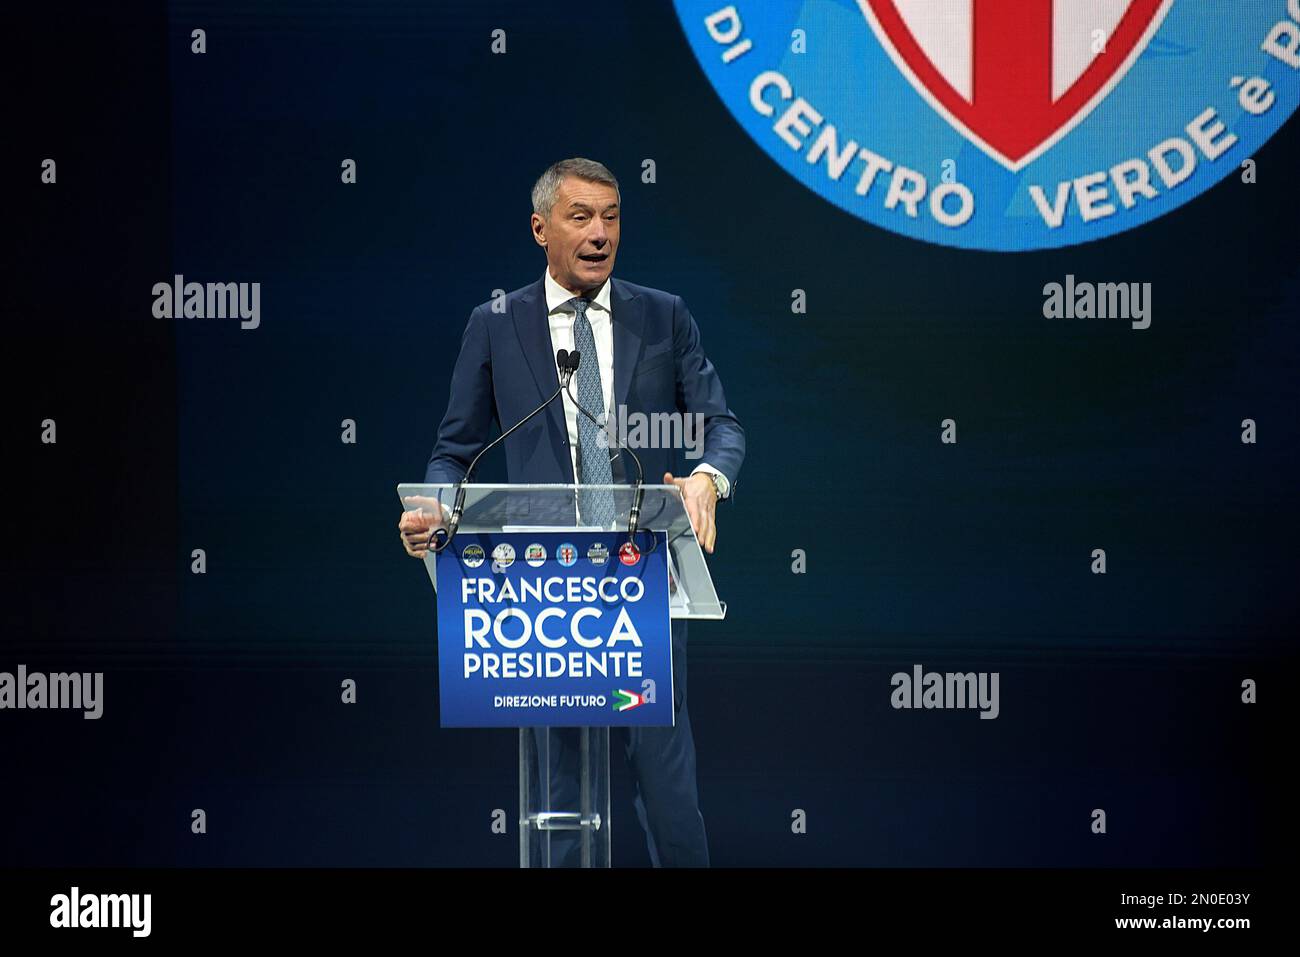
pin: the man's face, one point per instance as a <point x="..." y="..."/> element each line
<point x="580" y="235"/>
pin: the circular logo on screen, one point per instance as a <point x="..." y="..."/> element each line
<point x="598" y="553"/>
<point x="566" y="554"/>
<point x="472" y="556"/>
<point x="629" y="554"/>
<point x="1008" y="125"/>
<point x="535" y="555"/>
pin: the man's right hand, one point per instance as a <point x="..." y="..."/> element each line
<point x="418" y="525"/>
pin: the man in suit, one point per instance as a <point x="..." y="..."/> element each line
<point x="640" y="349"/>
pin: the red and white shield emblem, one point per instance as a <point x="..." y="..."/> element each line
<point x="1014" y="76"/>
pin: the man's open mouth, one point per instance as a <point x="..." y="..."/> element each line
<point x="594" y="257"/>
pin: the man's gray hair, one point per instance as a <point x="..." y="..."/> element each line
<point x="548" y="184"/>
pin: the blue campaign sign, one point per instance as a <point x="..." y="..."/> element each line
<point x="554" y="628"/>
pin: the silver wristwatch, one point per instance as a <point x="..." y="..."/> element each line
<point x="720" y="484"/>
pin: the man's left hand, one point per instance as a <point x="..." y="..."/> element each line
<point x="701" y="500"/>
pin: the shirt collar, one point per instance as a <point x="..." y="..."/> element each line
<point x="557" y="295"/>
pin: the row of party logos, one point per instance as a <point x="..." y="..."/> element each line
<point x="566" y="554"/>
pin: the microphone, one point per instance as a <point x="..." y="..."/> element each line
<point x="567" y="364"/>
<point x="634" y="514"/>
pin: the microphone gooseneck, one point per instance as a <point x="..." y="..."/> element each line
<point x="566" y="364"/>
<point x="634" y="513"/>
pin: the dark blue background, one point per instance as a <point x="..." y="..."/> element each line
<point x="222" y="691"/>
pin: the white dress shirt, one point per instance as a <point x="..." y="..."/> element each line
<point x="560" y="316"/>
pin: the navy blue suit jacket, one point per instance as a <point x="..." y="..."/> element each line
<point x="506" y="368"/>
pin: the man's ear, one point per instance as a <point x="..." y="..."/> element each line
<point x="538" y="226"/>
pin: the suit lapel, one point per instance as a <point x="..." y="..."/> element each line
<point x="629" y="321"/>
<point x="534" y="331"/>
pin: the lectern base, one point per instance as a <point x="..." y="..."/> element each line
<point x="564" y="797"/>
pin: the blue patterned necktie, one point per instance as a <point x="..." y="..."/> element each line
<point x="596" y="507"/>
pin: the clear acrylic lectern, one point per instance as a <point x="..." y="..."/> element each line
<point x="581" y="830"/>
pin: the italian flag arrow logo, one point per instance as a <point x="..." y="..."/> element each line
<point x="627" y="700"/>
